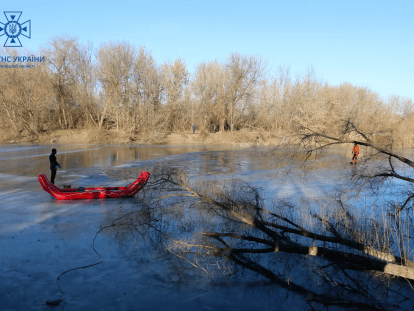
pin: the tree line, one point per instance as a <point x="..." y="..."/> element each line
<point x="120" y="86"/>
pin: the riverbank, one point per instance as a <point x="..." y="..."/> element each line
<point x="243" y="138"/>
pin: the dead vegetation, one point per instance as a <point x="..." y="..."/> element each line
<point x="121" y="87"/>
<point x="219" y="228"/>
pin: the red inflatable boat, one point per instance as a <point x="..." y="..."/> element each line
<point x="94" y="193"/>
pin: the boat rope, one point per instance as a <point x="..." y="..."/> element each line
<point x="57" y="302"/>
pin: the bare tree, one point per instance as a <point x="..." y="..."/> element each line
<point x="208" y="89"/>
<point x="245" y="73"/>
<point x="381" y="163"/>
<point x="24" y="97"/>
<point x="273" y="112"/>
<point x="175" y="79"/>
<point x="115" y="63"/>
<point x="224" y="229"/>
<point x="148" y="91"/>
<point x="86" y="87"/>
<point x="61" y="55"/>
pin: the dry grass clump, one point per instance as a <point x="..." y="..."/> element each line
<point x="238" y="138"/>
<point x="152" y="137"/>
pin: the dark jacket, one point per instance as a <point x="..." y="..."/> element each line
<point x="53" y="162"/>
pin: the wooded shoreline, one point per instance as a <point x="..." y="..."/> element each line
<point x="121" y="87"/>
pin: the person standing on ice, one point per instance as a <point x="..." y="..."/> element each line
<point x="54" y="165"/>
<point x="355" y="152"/>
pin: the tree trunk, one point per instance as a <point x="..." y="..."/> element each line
<point x="103" y="114"/>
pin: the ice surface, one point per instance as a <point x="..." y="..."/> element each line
<point x="40" y="237"/>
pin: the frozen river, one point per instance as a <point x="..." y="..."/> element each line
<point x="40" y="238"/>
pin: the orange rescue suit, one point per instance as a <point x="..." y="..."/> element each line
<point x="356" y="150"/>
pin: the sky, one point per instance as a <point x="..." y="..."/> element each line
<point x="366" y="43"/>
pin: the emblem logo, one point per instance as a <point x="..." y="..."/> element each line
<point x="13" y="29"/>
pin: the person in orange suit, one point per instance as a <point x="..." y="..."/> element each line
<point x="355" y="152"/>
